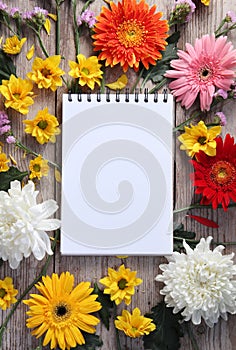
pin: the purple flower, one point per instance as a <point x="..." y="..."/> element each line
<point x="220" y="118"/>
<point x="4" y="123"/>
<point x="222" y="93"/>
<point x="3" y="6"/>
<point x="230" y="17"/>
<point x="10" y="139"/>
<point x="87" y="17"/>
<point x="27" y="15"/>
<point x="182" y="12"/>
<point x="39" y="11"/>
<point x="14" y="12"/>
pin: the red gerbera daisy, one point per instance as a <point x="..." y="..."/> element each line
<point x="129" y="33"/>
<point x="215" y="177"/>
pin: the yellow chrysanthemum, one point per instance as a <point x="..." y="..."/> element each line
<point x="87" y="70"/>
<point x="38" y="167"/>
<point x="18" y="93"/>
<point x="7" y="293"/>
<point x="120" y="284"/>
<point x="206" y="2"/>
<point x="4" y="162"/>
<point x="62" y="311"/>
<point x="46" y="73"/>
<point x="43" y="127"/>
<point x="199" y="138"/>
<point x="13" y="45"/>
<point x="134" y="325"/>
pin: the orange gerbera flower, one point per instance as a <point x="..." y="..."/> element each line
<point x="129" y="33"/>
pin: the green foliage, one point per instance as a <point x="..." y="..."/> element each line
<point x="168" y="329"/>
<point x="180" y="234"/>
<point x="92" y="341"/>
<point x="156" y="73"/>
<point x="6" y="66"/>
<point x="12" y="174"/>
<point x="107" y="305"/>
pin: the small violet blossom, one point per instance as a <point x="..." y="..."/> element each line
<point x="222" y="93"/>
<point x="14" y="12"/>
<point x="3" y="6"/>
<point x="182" y="12"/>
<point x="87" y="17"/>
<point x="4" y="123"/>
<point x="220" y="118"/>
<point x="230" y="17"/>
<point x="10" y="139"/>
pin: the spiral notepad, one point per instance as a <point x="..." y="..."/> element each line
<point x="117" y="174"/>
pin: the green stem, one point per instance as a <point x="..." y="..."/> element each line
<point x="26" y="291"/>
<point x="194" y="115"/>
<point x="158" y="86"/>
<point x="9" y="27"/>
<point x="220" y="26"/>
<point x="191" y="336"/>
<point x="224" y="32"/>
<point x="29" y="151"/>
<point x="117" y="331"/>
<point x="198" y="206"/>
<point x="41" y="44"/>
<point x="137" y="81"/>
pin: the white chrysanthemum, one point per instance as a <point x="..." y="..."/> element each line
<point x="200" y="283"/>
<point x="23" y="223"/>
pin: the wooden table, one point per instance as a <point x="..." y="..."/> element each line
<point x="17" y="336"/>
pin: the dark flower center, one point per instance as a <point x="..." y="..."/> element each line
<point x="205" y="73"/>
<point x="45" y="72"/>
<point x="2" y="292"/>
<point x="61" y="310"/>
<point x="42" y="124"/>
<point x="202" y="140"/>
<point x="36" y="167"/>
<point x="122" y="284"/>
<point x="223" y="173"/>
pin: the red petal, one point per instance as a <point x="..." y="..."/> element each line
<point x="204" y="221"/>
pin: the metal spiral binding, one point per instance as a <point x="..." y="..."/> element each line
<point x="117" y="95"/>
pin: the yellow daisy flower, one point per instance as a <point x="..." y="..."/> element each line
<point x="199" y="138"/>
<point x="4" y="162"/>
<point x="87" y="70"/>
<point x="134" y="325"/>
<point x="7" y="293"/>
<point x="206" y="2"/>
<point x="120" y="284"/>
<point x="62" y="311"/>
<point x="18" y="94"/>
<point x="38" y="167"/>
<point x="13" y="45"/>
<point x="46" y="73"/>
<point x="43" y="127"/>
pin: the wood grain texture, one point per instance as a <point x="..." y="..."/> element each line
<point x="17" y="336"/>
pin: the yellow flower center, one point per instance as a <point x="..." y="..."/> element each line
<point x="45" y="72"/>
<point x="2" y="292"/>
<point x="131" y="33"/>
<point x="36" y="167"/>
<point x="202" y="140"/>
<point x="42" y="124"/>
<point x="223" y="173"/>
<point x="85" y="71"/>
<point x="17" y="96"/>
<point x="122" y="284"/>
<point x="61" y="312"/>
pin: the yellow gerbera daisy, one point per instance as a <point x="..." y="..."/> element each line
<point x="4" y="162"/>
<point x="120" y="284"/>
<point x="38" y="167"/>
<point x="62" y="311"/>
<point x="87" y="70"/>
<point x="18" y="93"/>
<point x="43" y="127"/>
<point x="134" y="325"/>
<point x="7" y="293"/>
<point x="46" y="73"/>
<point x="199" y="138"/>
<point x="13" y="45"/>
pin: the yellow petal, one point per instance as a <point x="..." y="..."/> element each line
<point x="13" y="160"/>
<point x="47" y="26"/>
<point x="57" y="175"/>
<point x="30" y="53"/>
<point x="54" y="17"/>
<point x="1" y="39"/>
<point x="119" y="84"/>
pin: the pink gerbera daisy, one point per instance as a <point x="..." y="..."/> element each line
<point x="201" y="69"/>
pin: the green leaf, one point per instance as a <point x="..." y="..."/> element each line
<point x="12" y="174"/>
<point x="107" y="305"/>
<point x="6" y="66"/>
<point x="173" y="38"/>
<point x="92" y="341"/>
<point x="168" y="329"/>
<point x="180" y="234"/>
